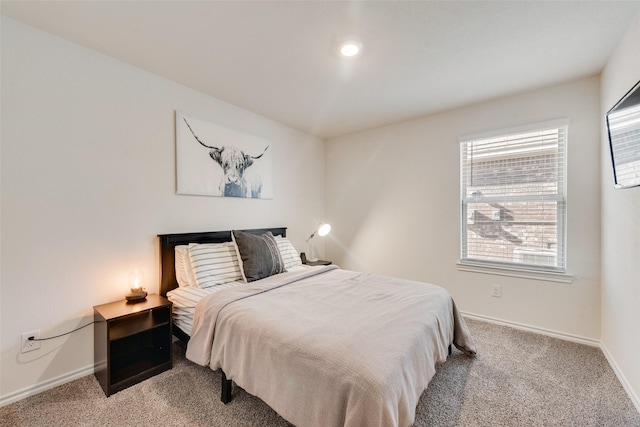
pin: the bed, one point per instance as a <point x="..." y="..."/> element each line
<point x="322" y="346"/>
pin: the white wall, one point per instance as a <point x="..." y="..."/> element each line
<point x="88" y="180"/>
<point x="393" y="201"/>
<point x="621" y="231"/>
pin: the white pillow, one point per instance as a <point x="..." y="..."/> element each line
<point x="184" y="273"/>
<point x="214" y="263"/>
<point x="289" y="254"/>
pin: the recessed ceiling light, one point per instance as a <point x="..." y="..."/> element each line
<point x="350" y="48"/>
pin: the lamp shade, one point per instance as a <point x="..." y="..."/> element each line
<point x="136" y="279"/>
<point x="324" y="229"/>
<point x="136" y="282"/>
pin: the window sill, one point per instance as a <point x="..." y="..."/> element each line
<point x="547" y="276"/>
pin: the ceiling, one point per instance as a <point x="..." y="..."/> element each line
<point x="279" y="58"/>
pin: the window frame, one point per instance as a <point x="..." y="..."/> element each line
<point x="539" y="272"/>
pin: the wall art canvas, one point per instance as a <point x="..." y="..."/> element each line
<point x="213" y="160"/>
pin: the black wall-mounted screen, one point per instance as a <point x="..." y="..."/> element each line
<point x="623" y="127"/>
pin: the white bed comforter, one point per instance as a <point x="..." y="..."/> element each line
<point x="330" y="347"/>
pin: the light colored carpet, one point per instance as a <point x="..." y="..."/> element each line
<point x="517" y="379"/>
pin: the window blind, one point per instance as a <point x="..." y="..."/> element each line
<point x="513" y="199"/>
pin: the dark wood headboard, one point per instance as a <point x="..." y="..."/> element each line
<point x="168" y="242"/>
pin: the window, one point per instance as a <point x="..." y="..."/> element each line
<point x="513" y="199"/>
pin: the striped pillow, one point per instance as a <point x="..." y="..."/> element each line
<point x="214" y="263"/>
<point x="289" y="254"/>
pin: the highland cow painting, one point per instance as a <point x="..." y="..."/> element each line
<point x="213" y="160"/>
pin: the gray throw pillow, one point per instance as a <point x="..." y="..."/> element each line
<point x="259" y="255"/>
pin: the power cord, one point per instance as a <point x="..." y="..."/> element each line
<point x="61" y="335"/>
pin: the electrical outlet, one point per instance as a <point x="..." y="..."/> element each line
<point x="29" y="345"/>
<point x="496" y="291"/>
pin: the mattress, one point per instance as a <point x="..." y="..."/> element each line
<point x="184" y="300"/>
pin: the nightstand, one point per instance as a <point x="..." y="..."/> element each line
<point x="318" y="262"/>
<point x="132" y="342"/>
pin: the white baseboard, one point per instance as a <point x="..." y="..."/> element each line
<point x="548" y="332"/>
<point x="46" y="385"/>
<point x="623" y="380"/>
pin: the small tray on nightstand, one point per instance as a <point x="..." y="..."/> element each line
<point x="318" y="262"/>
